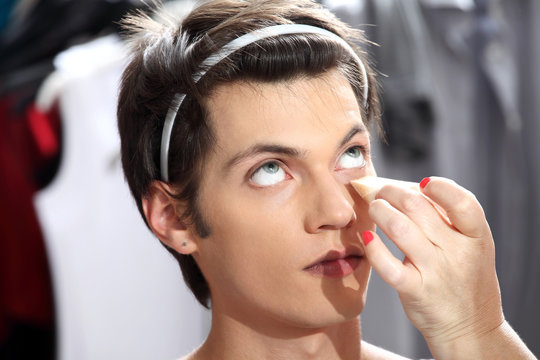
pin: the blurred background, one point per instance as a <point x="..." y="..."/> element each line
<point x="82" y="278"/>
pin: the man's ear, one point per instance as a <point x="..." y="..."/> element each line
<point x="161" y="212"/>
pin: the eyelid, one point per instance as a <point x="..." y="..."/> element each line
<point x="259" y="165"/>
<point x="358" y="143"/>
<point x="361" y="140"/>
<point x="366" y="151"/>
<point x="363" y="148"/>
<point x="365" y="158"/>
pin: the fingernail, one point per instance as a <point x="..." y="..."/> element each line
<point x="424" y="182"/>
<point x="367" y="236"/>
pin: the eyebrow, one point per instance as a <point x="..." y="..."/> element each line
<point x="284" y="150"/>
<point x="264" y="148"/>
<point x="354" y="130"/>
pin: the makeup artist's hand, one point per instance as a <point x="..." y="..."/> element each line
<point x="447" y="281"/>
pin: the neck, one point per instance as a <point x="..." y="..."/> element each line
<point x="233" y="339"/>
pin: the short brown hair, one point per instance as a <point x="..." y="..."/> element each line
<point x="166" y="54"/>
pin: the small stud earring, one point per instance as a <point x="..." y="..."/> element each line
<point x="184" y="244"/>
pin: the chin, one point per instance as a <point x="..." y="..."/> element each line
<point x="337" y="304"/>
<point x="348" y="307"/>
<point x="347" y="297"/>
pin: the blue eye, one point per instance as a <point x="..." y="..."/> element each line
<point x="268" y="174"/>
<point x="352" y="158"/>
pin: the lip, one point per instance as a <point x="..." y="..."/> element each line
<point x="336" y="263"/>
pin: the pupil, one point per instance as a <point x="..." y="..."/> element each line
<point x="271" y="168"/>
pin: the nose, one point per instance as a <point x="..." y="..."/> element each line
<point x="330" y="206"/>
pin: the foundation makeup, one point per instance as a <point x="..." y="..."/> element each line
<point x="368" y="186"/>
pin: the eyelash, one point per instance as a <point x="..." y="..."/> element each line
<point x="363" y="149"/>
<point x="257" y="167"/>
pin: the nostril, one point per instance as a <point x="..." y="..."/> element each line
<point x="338" y="220"/>
<point x="353" y="219"/>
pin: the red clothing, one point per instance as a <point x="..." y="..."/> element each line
<point x="25" y="283"/>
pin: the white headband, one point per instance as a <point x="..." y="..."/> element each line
<point x="227" y="50"/>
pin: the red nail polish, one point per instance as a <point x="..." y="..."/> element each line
<point x="367" y="236"/>
<point x="424" y="182"/>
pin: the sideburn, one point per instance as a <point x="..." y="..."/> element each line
<point x="201" y="225"/>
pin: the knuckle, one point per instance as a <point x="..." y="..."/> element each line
<point x="397" y="227"/>
<point x="451" y="182"/>
<point x="397" y="278"/>
<point x="412" y="202"/>
<point x="465" y="205"/>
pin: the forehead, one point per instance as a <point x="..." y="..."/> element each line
<point x="246" y="112"/>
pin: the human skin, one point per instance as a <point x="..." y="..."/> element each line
<point x="269" y="223"/>
<point x="263" y="237"/>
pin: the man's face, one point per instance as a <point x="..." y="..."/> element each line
<point x="275" y="193"/>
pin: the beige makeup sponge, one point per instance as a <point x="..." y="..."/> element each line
<point x="368" y="186"/>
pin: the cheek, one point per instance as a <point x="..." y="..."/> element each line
<point x="254" y="216"/>
<point x="251" y="236"/>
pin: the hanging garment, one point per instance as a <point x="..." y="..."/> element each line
<point x="31" y="34"/>
<point x="26" y="302"/>
<point x="119" y="293"/>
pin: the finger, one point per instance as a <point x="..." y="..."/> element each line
<point x="391" y="270"/>
<point x="408" y="237"/>
<point x="461" y="206"/>
<point x="419" y="208"/>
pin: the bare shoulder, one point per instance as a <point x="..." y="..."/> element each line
<point x="372" y="352"/>
<point x="192" y="356"/>
<point x="187" y="357"/>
